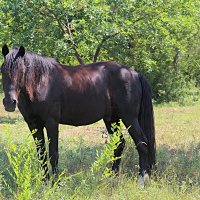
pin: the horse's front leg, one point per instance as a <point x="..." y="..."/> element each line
<point x="38" y="136"/>
<point x="52" y="133"/>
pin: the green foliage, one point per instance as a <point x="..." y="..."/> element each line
<point x="158" y="38"/>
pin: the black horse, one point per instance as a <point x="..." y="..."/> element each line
<point x="48" y="93"/>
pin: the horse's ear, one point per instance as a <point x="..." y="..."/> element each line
<point x="21" y="51"/>
<point x="5" y="50"/>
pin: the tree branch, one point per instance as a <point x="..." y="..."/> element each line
<point x="71" y="39"/>
<point x="97" y="52"/>
<point x="64" y="27"/>
<point x="96" y="55"/>
<point x="74" y="46"/>
<point x="176" y="57"/>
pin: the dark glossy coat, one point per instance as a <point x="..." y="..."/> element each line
<point x="48" y="93"/>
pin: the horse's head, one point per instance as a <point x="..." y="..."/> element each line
<point x="10" y="87"/>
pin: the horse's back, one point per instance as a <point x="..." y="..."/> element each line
<point x="85" y="98"/>
<point x="96" y="90"/>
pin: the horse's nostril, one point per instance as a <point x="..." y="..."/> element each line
<point x="4" y="101"/>
<point x="14" y="102"/>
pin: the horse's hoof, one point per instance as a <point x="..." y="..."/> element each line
<point x="143" y="180"/>
<point x="146" y="179"/>
<point x="46" y="178"/>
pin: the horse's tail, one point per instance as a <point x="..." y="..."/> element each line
<point x="146" y="119"/>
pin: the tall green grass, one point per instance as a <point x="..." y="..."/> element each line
<point x="85" y="165"/>
<point x="22" y="176"/>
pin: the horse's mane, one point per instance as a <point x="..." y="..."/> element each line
<point x="30" y="71"/>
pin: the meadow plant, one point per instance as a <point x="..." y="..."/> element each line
<point x="176" y="177"/>
<point x="24" y="176"/>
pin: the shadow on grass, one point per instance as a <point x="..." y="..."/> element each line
<point x="8" y="120"/>
<point x="75" y="157"/>
<point x="180" y="163"/>
<point x="73" y="160"/>
<point x="79" y="158"/>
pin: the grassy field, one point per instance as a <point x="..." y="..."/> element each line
<point x="82" y="171"/>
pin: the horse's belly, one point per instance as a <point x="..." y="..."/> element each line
<point x="79" y="117"/>
<point x="79" y="120"/>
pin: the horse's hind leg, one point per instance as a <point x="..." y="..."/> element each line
<point x="118" y="151"/>
<point x="141" y="144"/>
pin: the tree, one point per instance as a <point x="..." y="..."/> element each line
<point x="154" y="37"/>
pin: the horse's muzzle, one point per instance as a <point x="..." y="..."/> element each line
<point x="9" y="104"/>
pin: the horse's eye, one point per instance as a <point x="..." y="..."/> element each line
<point x="3" y="69"/>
